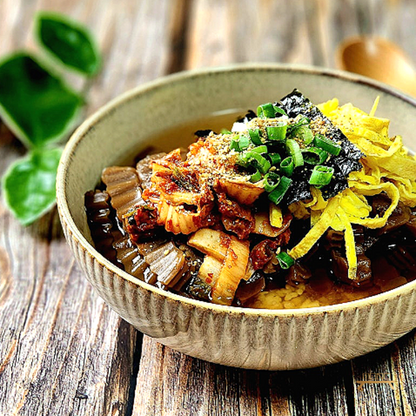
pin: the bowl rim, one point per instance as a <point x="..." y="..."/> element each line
<point x="118" y="101"/>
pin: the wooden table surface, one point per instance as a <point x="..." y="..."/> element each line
<point x="62" y="350"/>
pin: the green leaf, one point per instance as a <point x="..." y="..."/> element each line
<point x="36" y="105"/>
<point x="29" y="184"/>
<point x="68" y="42"/>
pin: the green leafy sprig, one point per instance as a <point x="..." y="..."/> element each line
<point x="41" y="109"/>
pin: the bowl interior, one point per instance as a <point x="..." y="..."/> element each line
<point x="126" y="125"/>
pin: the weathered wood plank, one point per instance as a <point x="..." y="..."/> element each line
<point x="137" y="41"/>
<point x="404" y="368"/>
<point x="59" y="340"/>
<point x="172" y="383"/>
<point x="398" y="20"/>
<point x="241" y="31"/>
<point x="386" y="379"/>
<point x="62" y="350"/>
<point x="375" y="384"/>
<point x="179" y="25"/>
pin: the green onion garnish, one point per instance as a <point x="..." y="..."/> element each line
<point x="244" y="142"/>
<point x="280" y="111"/>
<point x="276" y="133"/>
<point x="275" y="158"/>
<point x="271" y="181"/>
<point x="269" y="111"/>
<point x="260" y="149"/>
<point x="295" y="127"/>
<point x="255" y="177"/>
<point x="305" y="134"/>
<point x="314" y="155"/>
<point x="255" y="136"/>
<point x="327" y="144"/>
<point x="225" y="131"/>
<point x="294" y="151"/>
<point x="287" y="166"/>
<point x="242" y="160"/>
<point x="277" y="195"/>
<point x="240" y="144"/>
<point x="321" y="175"/>
<point x="256" y="160"/>
<point x="285" y="260"/>
<point x="266" y="111"/>
<point x="234" y="145"/>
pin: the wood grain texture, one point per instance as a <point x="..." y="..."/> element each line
<point x="246" y="31"/>
<point x="376" y="384"/>
<point x="59" y="340"/>
<point x="404" y="368"/>
<point x="308" y="32"/>
<point x="62" y="351"/>
<point x="171" y="383"/>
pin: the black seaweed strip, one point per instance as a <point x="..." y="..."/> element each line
<point x="346" y="162"/>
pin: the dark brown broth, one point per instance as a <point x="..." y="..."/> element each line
<point x="182" y="135"/>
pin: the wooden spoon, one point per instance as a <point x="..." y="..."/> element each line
<point x="379" y="59"/>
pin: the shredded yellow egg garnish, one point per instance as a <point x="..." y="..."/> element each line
<point x="387" y="167"/>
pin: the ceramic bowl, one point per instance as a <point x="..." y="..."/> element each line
<point x="239" y="337"/>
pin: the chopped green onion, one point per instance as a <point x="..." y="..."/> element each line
<point x="276" y="133"/>
<point x="294" y="151"/>
<point x="327" y="144"/>
<point x="242" y="160"/>
<point x="225" y="131"/>
<point x="275" y="158"/>
<point x="271" y="181"/>
<point x="240" y="144"/>
<point x="287" y="166"/>
<point x="280" y="110"/>
<point x="244" y="142"/>
<point x="321" y="175"/>
<point x="255" y="136"/>
<point x="269" y="111"/>
<point x="314" y="155"/>
<point x="260" y="149"/>
<point x="234" y="145"/>
<point x="295" y="127"/>
<point x="256" y="160"/>
<point x="277" y="195"/>
<point x="285" y="260"/>
<point x="266" y="111"/>
<point x="305" y="134"/>
<point x="303" y="121"/>
<point x="255" y="177"/>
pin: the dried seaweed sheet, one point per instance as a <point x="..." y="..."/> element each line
<point x="347" y="161"/>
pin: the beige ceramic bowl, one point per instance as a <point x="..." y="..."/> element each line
<point x="248" y="338"/>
